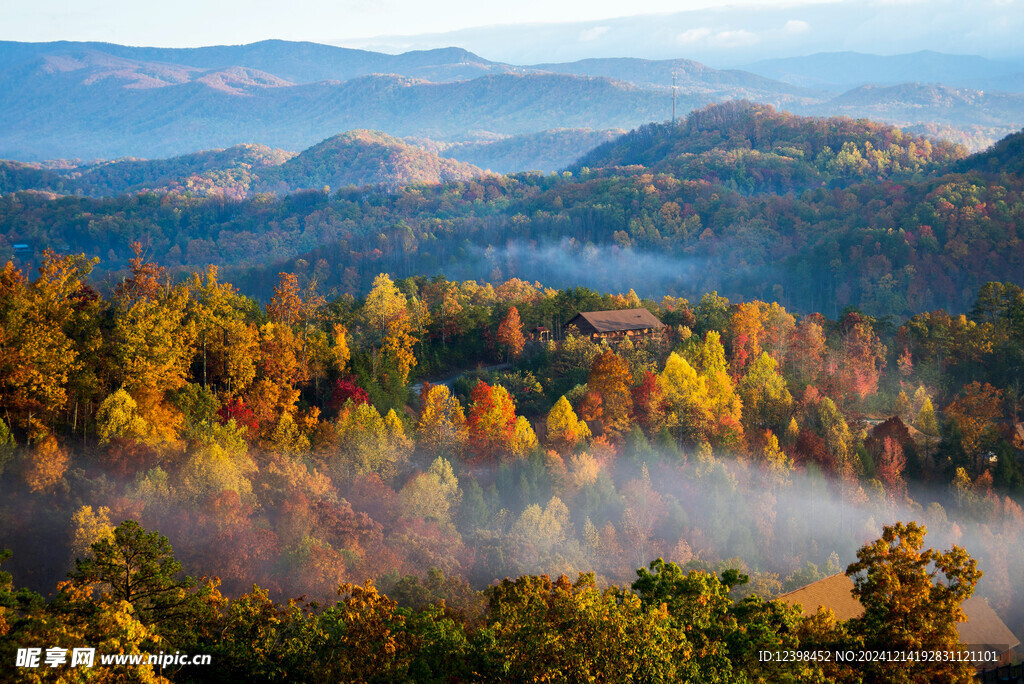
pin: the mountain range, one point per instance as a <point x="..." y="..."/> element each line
<point x="104" y="101"/>
<point x="841" y="71"/>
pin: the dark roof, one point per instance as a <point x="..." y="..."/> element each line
<point x="615" y="321"/>
<point x="983" y="626"/>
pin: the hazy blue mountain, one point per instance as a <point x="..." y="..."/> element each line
<point x="841" y="71"/>
<point x="87" y="107"/>
<point x="102" y="101"/>
<point x="289" y="62"/>
<point x="917" y="103"/>
<point x="731" y="35"/>
<point x="692" y="78"/>
<point x="297" y="62"/>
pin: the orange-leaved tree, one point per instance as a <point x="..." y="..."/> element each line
<point x="611" y="379"/>
<point x="510" y="334"/>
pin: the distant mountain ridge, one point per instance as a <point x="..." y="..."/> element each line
<point x="297" y="62"/>
<point x="692" y="78"/>
<point x="76" y="112"/>
<point x="842" y="71"/>
<point x="546" y="151"/>
<point x="732" y="34"/>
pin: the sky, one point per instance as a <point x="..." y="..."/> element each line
<point x="192" y="23"/>
<point x="533" y="31"/>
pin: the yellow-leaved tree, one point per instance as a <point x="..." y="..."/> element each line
<point x="685" y="393"/>
<point x="387" y="314"/>
<point x="218" y="461"/>
<point x="152" y="345"/>
<point x="565" y="429"/>
<point x="368" y="443"/>
<point x="38" y="356"/>
<point x="118" y="416"/>
<point x="89" y="527"/>
<point x="227" y="345"/>
<point x="442" y="424"/>
<point x="767" y="402"/>
<point x="432" y="495"/>
<point x="724" y="404"/>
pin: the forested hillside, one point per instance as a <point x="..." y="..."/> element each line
<point x="355" y="158"/>
<point x="757" y="148"/>
<point x="1006" y="156"/>
<point x="363" y="158"/>
<point x="739" y="198"/>
<point x="232" y="172"/>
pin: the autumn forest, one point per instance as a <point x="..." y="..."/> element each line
<point x="349" y="435"/>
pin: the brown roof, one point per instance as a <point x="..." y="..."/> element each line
<point x="614" y="321"/>
<point x="832" y="592"/>
<point x="983" y="626"/>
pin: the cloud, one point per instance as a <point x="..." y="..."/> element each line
<point x="721" y="39"/>
<point x="739" y="38"/>
<point x="594" y="33"/>
<point x="794" y="26"/>
<point x="693" y="35"/>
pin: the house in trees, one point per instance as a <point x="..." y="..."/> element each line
<point x="615" y="326"/>
<point x="540" y="334"/>
<point x="983" y="629"/>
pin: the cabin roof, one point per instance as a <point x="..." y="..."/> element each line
<point x="983" y="626"/>
<point x="832" y="592"/>
<point x="616" y="320"/>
